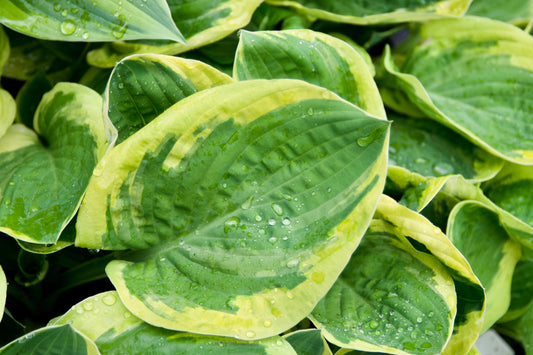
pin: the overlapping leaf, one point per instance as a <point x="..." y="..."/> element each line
<point x="362" y="12"/>
<point x="475" y="76"/>
<point x="201" y="22"/>
<point x="98" y="20"/>
<point x="390" y="298"/>
<point x="514" y="11"/>
<point x="521" y="290"/>
<point x="45" y="172"/>
<point x="521" y="329"/>
<point x="427" y="238"/>
<point x="308" y="342"/>
<point x="105" y="320"/>
<point x="475" y="230"/>
<point x="244" y="202"/>
<point x="418" y="145"/>
<point x="52" y="340"/>
<point x="141" y="87"/>
<point x="311" y="56"/>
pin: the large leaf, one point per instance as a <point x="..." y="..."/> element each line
<point x="51" y="340"/>
<point x="311" y="56"/>
<point x="45" y="172"/>
<point x="3" y="292"/>
<point x="201" y="22"/>
<point x="97" y="20"/>
<point x="141" y="87"/>
<point x="418" y="145"/>
<point x="427" y="238"/>
<point x="475" y="76"/>
<point x="105" y="320"/>
<point x="475" y="230"/>
<point x="360" y="12"/>
<point x="521" y="290"/>
<point x="244" y="202"/>
<point x="390" y="298"/>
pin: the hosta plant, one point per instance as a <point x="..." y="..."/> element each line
<point x="265" y="177"/>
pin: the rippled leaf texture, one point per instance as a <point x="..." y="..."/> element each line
<point x="97" y="20"/>
<point x="52" y="340"/>
<point x="475" y="230"/>
<point x="390" y="298"/>
<point x="45" y="172"/>
<point x="3" y="292"/>
<point x="418" y="145"/>
<point x="105" y="320"/>
<point x="201" y="22"/>
<point x="244" y="202"/>
<point x="308" y="342"/>
<point x="427" y="238"/>
<point x="141" y="87"/>
<point x="475" y="76"/>
<point x="361" y="12"/>
<point x="311" y="56"/>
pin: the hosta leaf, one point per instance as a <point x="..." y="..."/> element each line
<point x="105" y="320"/>
<point x="143" y="86"/>
<point x="521" y="290"/>
<point x="475" y="230"/>
<point x="3" y="292"/>
<point x="8" y="109"/>
<point x="418" y="145"/>
<point x="475" y="76"/>
<point x="99" y="20"/>
<point x="29" y="96"/>
<point x="521" y="329"/>
<point x="390" y="298"/>
<point x="311" y="56"/>
<point x="308" y="342"/>
<point x="511" y="190"/>
<point x="427" y="238"/>
<point x="52" y="340"/>
<point x="362" y="12"/>
<point x="4" y="48"/>
<point x="201" y="22"/>
<point x="46" y="172"/>
<point x="513" y="11"/>
<point x="245" y="202"/>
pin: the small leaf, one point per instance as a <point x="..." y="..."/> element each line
<point x="202" y="23"/>
<point x="308" y="342"/>
<point x="141" y="87"/>
<point x="99" y="20"/>
<point x="105" y="320"/>
<point x="475" y="230"/>
<point x="242" y="202"/>
<point x="52" y="340"/>
<point x="360" y="12"/>
<point x="311" y="56"/>
<point x="54" y="161"/>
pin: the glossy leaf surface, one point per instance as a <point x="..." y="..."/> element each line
<point x="141" y="87"/>
<point x="105" y="320"/>
<point x="244" y="202"/>
<point x="201" y="22"/>
<point x="56" y="160"/>
<point x="310" y="56"/>
<point x="308" y="342"/>
<point x="475" y="76"/>
<point x="98" y="20"/>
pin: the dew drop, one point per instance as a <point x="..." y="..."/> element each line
<point x="277" y="209"/>
<point x="443" y="169"/>
<point x="88" y="306"/>
<point x="293" y="263"/>
<point x="7" y="201"/>
<point x="250" y="334"/>
<point x="57" y="7"/>
<point x="419" y="319"/>
<point x="248" y="203"/>
<point x="11" y="183"/>
<point x="373" y="324"/>
<point x="64" y="13"/>
<point x="290" y="295"/>
<point x="286" y="221"/>
<point x="109" y="300"/>
<point x="258" y="218"/>
<point x="267" y="323"/>
<point x="272" y="239"/>
<point x="231" y="222"/>
<point x="121" y="85"/>
<point x="271" y="222"/>
<point x="68" y="27"/>
<point x="421" y="160"/>
<point x="127" y="315"/>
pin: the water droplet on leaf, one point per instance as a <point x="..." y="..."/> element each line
<point x="68" y="27"/>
